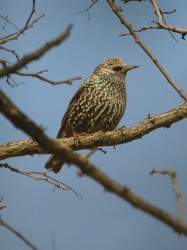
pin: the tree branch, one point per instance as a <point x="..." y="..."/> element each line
<point x="100" y="139"/>
<point x="124" y="193"/>
<point x="161" y="24"/>
<point x="35" y="55"/>
<point x="18" y="234"/>
<point x="147" y="51"/>
<point x="42" y="176"/>
<point x="22" y="122"/>
<point x="21" y="31"/>
<point x="176" y="189"/>
<point x="38" y="75"/>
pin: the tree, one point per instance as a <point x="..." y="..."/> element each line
<point x="41" y="143"/>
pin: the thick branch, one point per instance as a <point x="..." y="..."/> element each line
<point x="35" y="55"/>
<point x="111" y="138"/>
<point x="124" y="193"/>
<point x="22" y="122"/>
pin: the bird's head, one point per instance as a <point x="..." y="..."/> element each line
<point x="113" y="65"/>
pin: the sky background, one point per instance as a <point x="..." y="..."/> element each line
<point x="99" y="220"/>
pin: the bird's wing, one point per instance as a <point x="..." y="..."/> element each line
<point x="73" y="100"/>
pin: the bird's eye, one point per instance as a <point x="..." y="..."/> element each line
<point x="117" y="68"/>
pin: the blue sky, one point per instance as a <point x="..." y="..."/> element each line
<point x="100" y="220"/>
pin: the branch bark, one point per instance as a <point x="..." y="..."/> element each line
<point x="35" y="55"/>
<point x="100" y="139"/>
<point x="22" y="122"/>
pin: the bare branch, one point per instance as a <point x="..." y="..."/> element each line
<point x="37" y="54"/>
<point x="174" y="29"/>
<point x="2" y="206"/>
<point x="38" y="75"/>
<point x="144" y="28"/>
<point x="168" y="12"/>
<point x="176" y="189"/>
<point x="18" y="234"/>
<point x="11" y="51"/>
<point x="27" y="25"/>
<point x="157" y="11"/>
<point x="42" y="176"/>
<point x="124" y="193"/>
<point x="163" y="25"/>
<point x="87" y="9"/>
<point x="31" y="14"/>
<point x="147" y="51"/>
<point x="126" y="1"/>
<point x="100" y="139"/>
<point x="22" y="122"/>
<point x="8" y="21"/>
<point x="15" y="35"/>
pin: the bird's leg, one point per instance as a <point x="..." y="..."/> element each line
<point x="76" y="137"/>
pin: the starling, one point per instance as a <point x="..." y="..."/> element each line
<point x="98" y="104"/>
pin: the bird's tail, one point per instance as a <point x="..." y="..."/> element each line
<point x="54" y="163"/>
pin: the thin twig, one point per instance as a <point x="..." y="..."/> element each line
<point x="10" y="80"/>
<point x="169" y="12"/>
<point x="38" y="75"/>
<point x="31" y="14"/>
<point x="8" y="21"/>
<point x="11" y="51"/>
<point x="15" y="35"/>
<point x="42" y="176"/>
<point x="160" y="16"/>
<point x="87" y="9"/>
<point x="28" y="24"/>
<point x="144" y="28"/>
<point x="176" y="188"/>
<point x="165" y="26"/>
<point x="37" y="54"/>
<point x="18" y="234"/>
<point x="147" y="51"/>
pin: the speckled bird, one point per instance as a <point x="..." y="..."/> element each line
<point x="98" y="104"/>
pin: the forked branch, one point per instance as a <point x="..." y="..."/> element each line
<point x="35" y="55"/>
<point x="147" y="51"/>
<point x="22" y="122"/>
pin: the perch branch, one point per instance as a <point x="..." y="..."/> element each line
<point x="100" y="139"/>
<point x="22" y="122"/>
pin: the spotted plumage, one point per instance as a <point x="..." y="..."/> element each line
<point x="98" y="104"/>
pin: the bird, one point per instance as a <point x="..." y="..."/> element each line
<point x="98" y="104"/>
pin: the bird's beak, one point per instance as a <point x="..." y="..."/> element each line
<point x="127" y="68"/>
